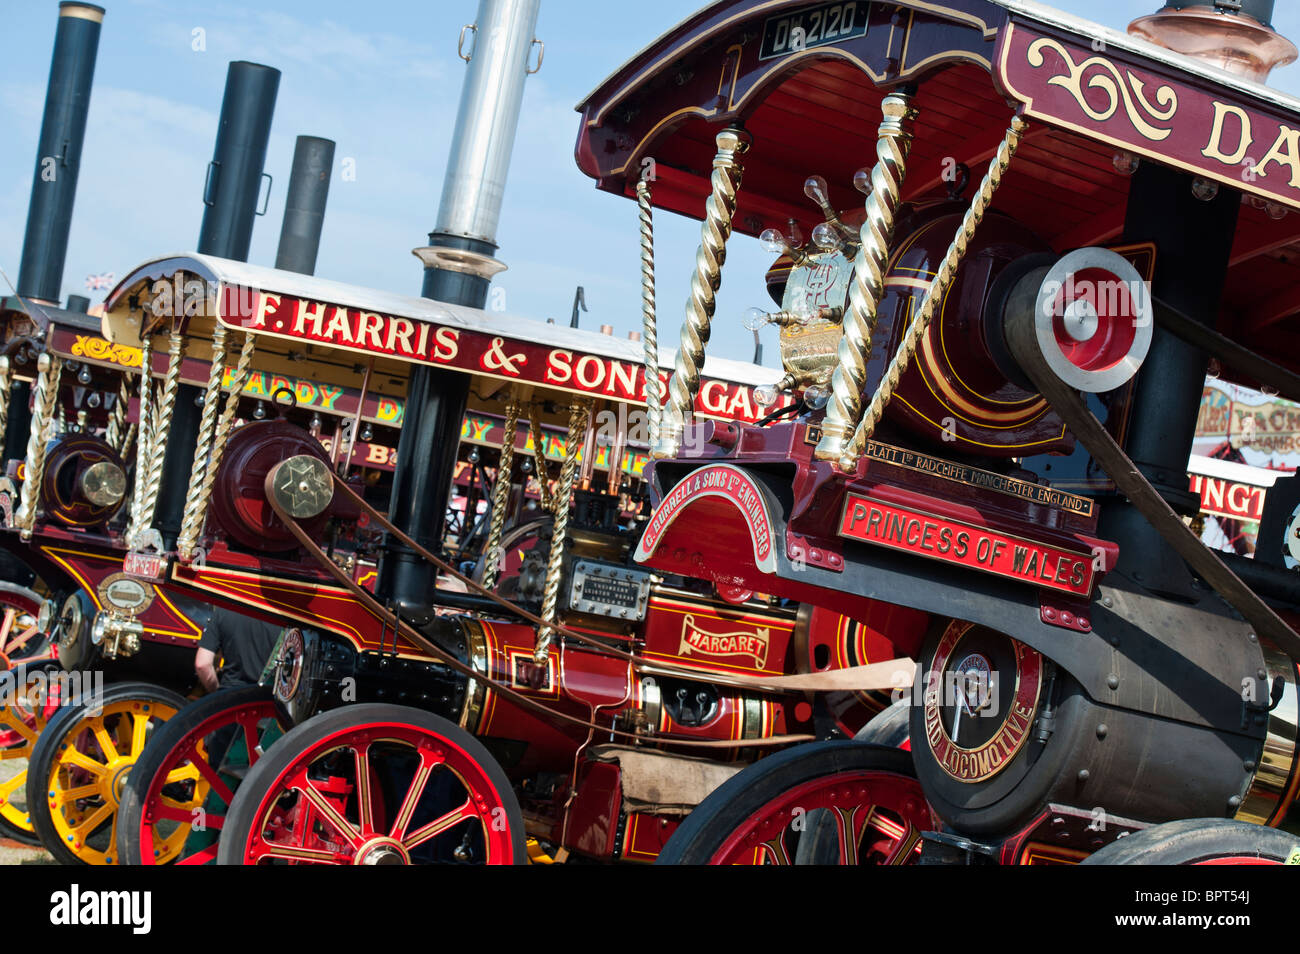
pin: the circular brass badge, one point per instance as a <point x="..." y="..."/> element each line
<point x="303" y="487"/>
<point x="980" y="700"/>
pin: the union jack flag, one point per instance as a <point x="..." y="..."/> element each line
<point x="99" y="282"/>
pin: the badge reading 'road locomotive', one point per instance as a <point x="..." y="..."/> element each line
<point x="981" y="695"/>
<point x="955" y="541"/>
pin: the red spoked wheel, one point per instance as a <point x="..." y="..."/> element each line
<point x="836" y="802"/>
<point x="184" y="781"/>
<point x="22" y="638"/>
<point x="1202" y="841"/>
<point x="375" y="784"/>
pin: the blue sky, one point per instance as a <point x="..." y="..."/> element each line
<point x="382" y="79"/>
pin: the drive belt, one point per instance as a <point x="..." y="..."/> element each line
<point x="874" y="676"/>
<point x="1130" y="482"/>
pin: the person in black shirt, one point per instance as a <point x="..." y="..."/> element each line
<point x="243" y="645"/>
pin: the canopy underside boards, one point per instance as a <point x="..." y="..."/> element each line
<point x="817" y="111"/>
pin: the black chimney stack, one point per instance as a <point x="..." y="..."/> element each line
<point x="235" y="172"/>
<point x="304" y="207"/>
<point x="230" y="206"/>
<point x="58" y="155"/>
<point x="54" y="184"/>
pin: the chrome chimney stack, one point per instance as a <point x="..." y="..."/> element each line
<point x="459" y="266"/>
<point x="459" y="262"/>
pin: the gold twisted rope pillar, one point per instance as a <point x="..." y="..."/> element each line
<point x="709" y="259"/>
<point x="116" y="431"/>
<point x="44" y="412"/>
<point x="225" y="424"/>
<point x="500" y="499"/>
<point x="859" y="323"/>
<point x="144" y="435"/>
<point x="539" y="457"/>
<point x="5" y="394"/>
<point x="934" y="295"/>
<point x="578" y="413"/>
<point x="195" y="503"/>
<point x="649" y="329"/>
<point x="160" y="424"/>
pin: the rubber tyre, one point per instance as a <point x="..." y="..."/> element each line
<point x="1199" y="841"/>
<point x="891" y="727"/>
<point x="265" y="775"/>
<point x="214" y="709"/>
<point x="60" y="731"/>
<point x="704" y="832"/>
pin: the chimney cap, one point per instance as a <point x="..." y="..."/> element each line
<point x="1261" y="10"/>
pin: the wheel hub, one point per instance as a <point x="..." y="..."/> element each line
<point x="382" y="851"/>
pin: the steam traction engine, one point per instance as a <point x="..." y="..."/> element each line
<point x="997" y="358"/>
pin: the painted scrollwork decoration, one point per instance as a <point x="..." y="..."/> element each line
<point x="1119" y="88"/>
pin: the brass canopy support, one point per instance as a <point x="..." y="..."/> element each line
<point x="500" y="499"/>
<point x="539" y="457"/>
<point x="707" y="277"/>
<point x="649" y="329"/>
<point x="149" y="468"/>
<point x="579" y="412"/>
<point x="935" y="294"/>
<point x="4" y="393"/>
<point x="195" y="503"/>
<point x="44" y="413"/>
<point x="850" y="376"/>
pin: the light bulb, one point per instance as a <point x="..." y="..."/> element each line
<point x="815" y="397"/>
<point x="1125" y="163"/>
<point x="1204" y="189"/>
<point x="1275" y="210"/>
<point x="803" y="311"/>
<point x="315" y="424"/>
<point x="814" y="187"/>
<point x="474" y="456"/>
<point x="84" y="375"/>
<point x="793" y="234"/>
<point x="259" y="412"/>
<point x="765" y="395"/>
<point x="772" y="241"/>
<point x="827" y="236"/>
<point x="862" y="180"/>
<point x="367" y="433"/>
<point x="94" y="400"/>
<point x="755" y="318"/>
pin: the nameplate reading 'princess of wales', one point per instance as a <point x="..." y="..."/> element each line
<point x="964" y="544"/>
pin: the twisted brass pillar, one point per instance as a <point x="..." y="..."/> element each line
<point x="649" y="329"/>
<point x="539" y="457"/>
<point x="859" y="323"/>
<point x="195" y="503"/>
<point x="160" y="423"/>
<point x="578" y="412"/>
<point x="712" y="253"/>
<point x="500" y="498"/>
<point x="4" y="393"/>
<point x="44" y="412"/>
<point x="144" y="435"/>
<point x="934" y="295"/>
<point x="116" y="431"/>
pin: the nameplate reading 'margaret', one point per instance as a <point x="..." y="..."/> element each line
<point x="965" y="544"/>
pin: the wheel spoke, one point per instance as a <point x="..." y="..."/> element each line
<point x="20" y="727"/>
<point x="249" y="724"/>
<point x="219" y="787"/>
<point x="904" y="847"/>
<point x="107" y="748"/>
<point x="365" y="816"/>
<point x="139" y="732"/>
<point x="91" y="821"/>
<point x="11" y="614"/>
<point x="81" y="760"/>
<point x="850" y="833"/>
<point x="428" y="762"/>
<point x="776" y="850"/>
<point x="440" y="825"/>
<point x="61" y="798"/>
<point x="200" y="857"/>
<point x="270" y="849"/>
<point x="327" y="811"/>
<point x="7" y="788"/>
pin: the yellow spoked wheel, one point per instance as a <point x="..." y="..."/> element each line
<point x="26" y="704"/>
<point x="80" y="766"/>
